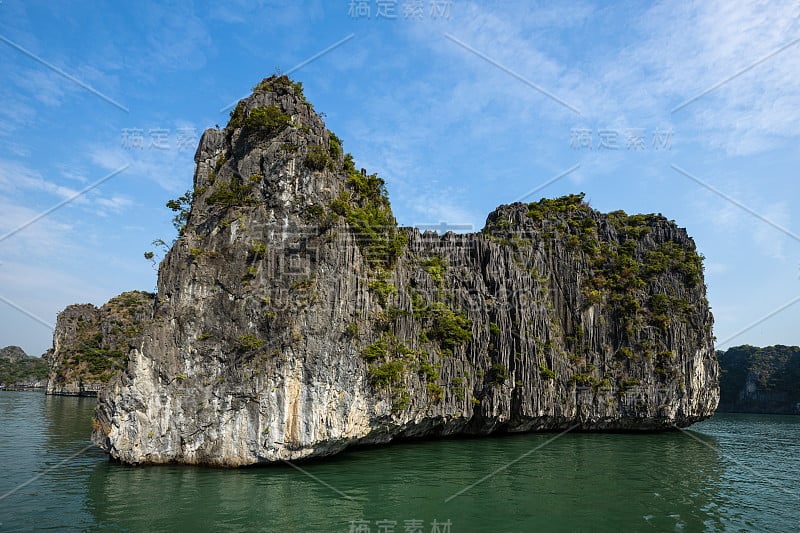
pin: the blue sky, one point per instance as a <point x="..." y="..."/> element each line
<point x="687" y="109"/>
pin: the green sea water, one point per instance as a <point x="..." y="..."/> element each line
<point x="733" y="472"/>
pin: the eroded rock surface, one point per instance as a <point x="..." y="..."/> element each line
<point x="295" y="319"/>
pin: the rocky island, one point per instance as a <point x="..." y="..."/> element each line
<point x="20" y="371"/>
<point x="91" y="344"/>
<point x="294" y="318"/>
<point x="760" y="380"/>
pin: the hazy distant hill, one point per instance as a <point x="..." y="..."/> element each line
<point x="760" y="380"/>
<point x="18" y="368"/>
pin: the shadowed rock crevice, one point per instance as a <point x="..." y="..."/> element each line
<point x="294" y="318"/>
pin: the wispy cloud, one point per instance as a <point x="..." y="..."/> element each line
<point x="45" y="86"/>
<point x="20" y="180"/>
<point x="115" y="204"/>
<point x="727" y="218"/>
<point x="169" y="170"/>
<point x="681" y="51"/>
<point x="47" y="239"/>
<point x="694" y="46"/>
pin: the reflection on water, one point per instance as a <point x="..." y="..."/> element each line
<point x="44" y="452"/>
<point x="732" y="472"/>
<point x="68" y="419"/>
<point x="598" y="482"/>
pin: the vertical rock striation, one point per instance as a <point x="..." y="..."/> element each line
<point x="294" y="318"/>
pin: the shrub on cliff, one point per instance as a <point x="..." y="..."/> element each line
<point x="267" y="120"/>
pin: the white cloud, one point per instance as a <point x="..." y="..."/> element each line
<point x="17" y="112"/>
<point x="24" y="182"/>
<point x="693" y="47"/>
<point x="733" y="221"/>
<point x="46" y="86"/>
<point x="15" y="176"/>
<point x="48" y="237"/>
<point x="115" y="204"/>
<point x="170" y="169"/>
<point x="680" y="51"/>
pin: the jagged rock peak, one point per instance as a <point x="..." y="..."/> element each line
<point x="272" y="146"/>
<point x="294" y="318"/>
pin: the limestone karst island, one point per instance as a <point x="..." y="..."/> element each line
<point x="294" y="318"/>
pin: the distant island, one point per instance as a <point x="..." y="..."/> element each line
<point x="21" y="371"/>
<point x="760" y="380"/>
<point x="91" y="344"/>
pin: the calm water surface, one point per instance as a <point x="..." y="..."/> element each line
<point x="733" y="472"/>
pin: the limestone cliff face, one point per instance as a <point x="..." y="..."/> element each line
<point x="295" y="319"/>
<point x="91" y="344"/>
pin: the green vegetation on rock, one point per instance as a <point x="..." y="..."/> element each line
<point x="451" y="329"/>
<point x="621" y="269"/>
<point x="234" y="192"/>
<point x="436" y="267"/>
<point x="266" y="121"/>
<point x="318" y="158"/>
<point x="365" y="206"/>
<point x="281" y="84"/>
<point x="181" y="206"/>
